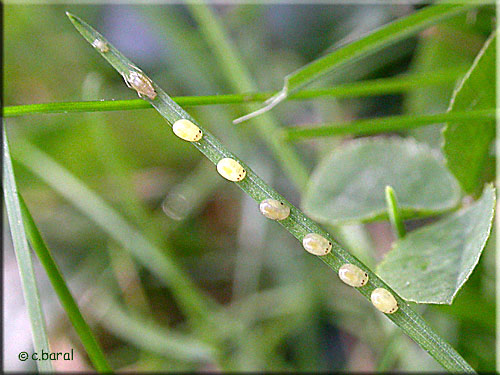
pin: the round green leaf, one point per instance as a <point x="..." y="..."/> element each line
<point x="431" y="264"/>
<point x="350" y="184"/>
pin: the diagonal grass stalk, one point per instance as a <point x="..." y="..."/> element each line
<point x="363" y="47"/>
<point x="296" y="223"/>
<point x="91" y="345"/>
<point x="23" y="256"/>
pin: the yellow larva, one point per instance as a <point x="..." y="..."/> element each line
<point x="100" y="45"/>
<point x="186" y="130"/>
<point x="353" y="275"/>
<point x="140" y="83"/>
<point x="316" y="244"/>
<point x="231" y="170"/>
<point x="273" y="209"/>
<point x="384" y="301"/>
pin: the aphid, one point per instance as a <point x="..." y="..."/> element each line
<point x="138" y="81"/>
<point x="316" y="244"/>
<point x="384" y="301"/>
<point x="186" y="130"/>
<point x="231" y="170"/>
<point x="273" y="209"/>
<point x="353" y="275"/>
<point x="100" y="45"/>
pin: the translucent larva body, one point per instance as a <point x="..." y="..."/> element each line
<point x="316" y="244"/>
<point x="231" y="170"/>
<point x="273" y="209"/>
<point x="186" y="130"/>
<point x="353" y="275"/>
<point x="100" y="45"/>
<point x="384" y="301"/>
<point x="140" y="83"/>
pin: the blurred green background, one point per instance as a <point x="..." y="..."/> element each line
<point x="285" y="309"/>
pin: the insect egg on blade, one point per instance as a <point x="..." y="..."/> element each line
<point x="353" y="275"/>
<point x="273" y="209"/>
<point x="186" y="130"/>
<point x="231" y="170"/>
<point x="316" y="244"/>
<point x="384" y="301"/>
<point x="100" y="45"/>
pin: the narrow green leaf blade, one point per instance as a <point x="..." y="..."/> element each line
<point x="91" y="345"/>
<point x="349" y="185"/>
<point x="23" y="255"/>
<point x="373" y="42"/>
<point x="431" y="264"/>
<point x="467" y="143"/>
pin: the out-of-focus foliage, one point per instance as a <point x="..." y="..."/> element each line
<point x="350" y="184"/>
<point x="283" y="309"/>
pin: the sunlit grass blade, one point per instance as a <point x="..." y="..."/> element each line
<point x="193" y="302"/>
<point x="382" y="124"/>
<point x="394" y="213"/>
<point x="392" y="85"/>
<point x="23" y="255"/>
<point x="373" y="42"/>
<point x="91" y="345"/>
<point x="297" y="223"/>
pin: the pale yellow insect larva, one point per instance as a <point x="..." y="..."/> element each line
<point x="316" y="244"/>
<point x="273" y="209"/>
<point x="100" y="45"/>
<point x="231" y="170"/>
<point x="186" y="130"/>
<point x="140" y="83"/>
<point x="384" y="301"/>
<point x="353" y="275"/>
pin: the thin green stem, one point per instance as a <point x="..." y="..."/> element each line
<point x="91" y="345"/>
<point x="394" y="213"/>
<point x="383" y="124"/>
<point x="25" y="264"/>
<point x="296" y="223"/>
<point x="375" y="41"/>
<point x="381" y="86"/>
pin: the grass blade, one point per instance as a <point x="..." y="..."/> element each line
<point x="23" y="255"/>
<point x="375" y="41"/>
<point x="382" y="124"/>
<point x="91" y="345"/>
<point x="392" y="85"/>
<point x="297" y="223"/>
<point x="394" y="212"/>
